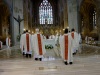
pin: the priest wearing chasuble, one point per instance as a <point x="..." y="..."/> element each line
<point x="66" y="47"/>
<point x="25" y="44"/>
<point x="75" y="43"/>
<point x="38" y="45"/>
<point x="21" y="42"/>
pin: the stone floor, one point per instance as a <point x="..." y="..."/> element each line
<point x="83" y="65"/>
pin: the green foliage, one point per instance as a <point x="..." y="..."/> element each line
<point x="49" y="46"/>
<point x="18" y="37"/>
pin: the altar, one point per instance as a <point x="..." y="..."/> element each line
<point x="49" y="43"/>
<point x="51" y="48"/>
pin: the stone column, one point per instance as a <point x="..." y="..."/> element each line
<point x="98" y="17"/>
<point x="65" y="17"/>
<point x="25" y="10"/>
<point x="11" y="27"/>
<point x="17" y="10"/>
<point x="72" y="14"/>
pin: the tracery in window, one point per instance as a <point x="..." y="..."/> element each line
<point x="94" y="18"/>
<point x="45" y="13"/>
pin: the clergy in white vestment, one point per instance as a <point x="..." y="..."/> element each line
<point x="0" y="45"/>
<point x="75" y="43"/>
<point x="86" y="39"/>
<point x="21" y="43"/>
<point x="80" y="41"/>
<point x="8" y="41"/>
<point x="60" y="36"/>
<point x="57" y="38"/>
<point x="8" y="44"/>
<point x="57" y="51"/>
<point x="44" y="37"/>
<point x="25" y="44"/>
<point x="38" y="45"/>
<point x="65" y="46"/>
<point x="80" y="38"/>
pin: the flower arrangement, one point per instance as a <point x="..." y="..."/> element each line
<point x="49" y="46"/>
<point x="18" y="37"/>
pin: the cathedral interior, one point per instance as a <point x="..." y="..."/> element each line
<point x="51" y="17"/>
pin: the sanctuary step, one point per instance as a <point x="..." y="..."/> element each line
<point x="88" y="49"/>
<point x="15" y="52"/>
<point x="82" y="65"/>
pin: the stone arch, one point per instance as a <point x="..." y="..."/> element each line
<point x="85" y="9"/>
<point x="4" y="20"/>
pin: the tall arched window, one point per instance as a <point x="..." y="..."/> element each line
<point x="45" y="13"/>
<point x="94" y="18"/>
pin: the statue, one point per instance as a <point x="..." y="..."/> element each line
<point x="19" y="20"/>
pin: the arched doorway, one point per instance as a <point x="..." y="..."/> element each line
<point x="88" y="18"/>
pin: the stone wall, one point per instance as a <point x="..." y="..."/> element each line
<point x="72" y="14"/>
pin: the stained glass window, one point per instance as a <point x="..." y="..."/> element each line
<point x="94" y="18"/>
<point x="45" y="13"/>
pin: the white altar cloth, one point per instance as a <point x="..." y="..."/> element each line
<point x="51" y="52"/>
<point x="49" y="42"/>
